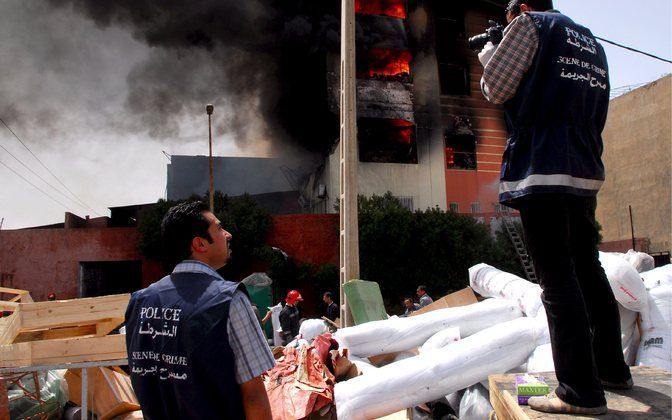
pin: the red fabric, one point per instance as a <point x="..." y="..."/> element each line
<point x="299" y="384"/>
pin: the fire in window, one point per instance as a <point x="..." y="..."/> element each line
<point x="393" y="8"/>
<point x="383" y="64"/>
<point x="461" y="145"/>
<point x="386" y="140"/>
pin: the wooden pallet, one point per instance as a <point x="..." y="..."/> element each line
<point x="19" y="296"/>
<point x="650" y="398"/>
<point x="64" y="331"/>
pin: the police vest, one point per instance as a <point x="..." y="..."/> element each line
<point x="556" y="119"/>
<point x="182" y="366"/>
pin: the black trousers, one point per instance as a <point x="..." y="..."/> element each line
<point x="583" y="318"/>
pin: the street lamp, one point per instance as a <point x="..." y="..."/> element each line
<point x="209" y="108"/>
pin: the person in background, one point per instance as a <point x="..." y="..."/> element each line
<point x="289" y="316"/>
<point x="51" y="297"/>
<point x="195" y="349"/>
<point x="331" y="311"/>
<point x="425" y="299"/>
<point x="551" y="75"/>
<point x="410" y="306"/>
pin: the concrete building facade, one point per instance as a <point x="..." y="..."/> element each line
<point x="638" y="162"/>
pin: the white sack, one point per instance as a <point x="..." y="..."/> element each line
<point x="655" y="348"/>
<point x="629" y="334"/>
<point x="275" y="321"/>
<point x="399" y="334"/>
<point x="364" y="367"/>
<point x="311" y="328"/>
<point x="475" y="403"/>
<point x="541" y="360"/>
<point x="489" y="281"/>
<point x="661" y="276"/>
<point x="541" y="323"/>
<point x="436" y="373"/>
<point x="441" y="339"/>
<point x="639" y="261"/>
<point x="625" y="281"/>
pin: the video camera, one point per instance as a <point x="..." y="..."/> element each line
<point x="494" y="34"/>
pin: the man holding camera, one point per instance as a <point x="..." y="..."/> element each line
<point x="551" y="76"/>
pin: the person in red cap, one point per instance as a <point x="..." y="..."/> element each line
<point x="289" y="316"/>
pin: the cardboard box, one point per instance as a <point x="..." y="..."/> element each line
<point x="530" y="386"/>
<point x="462" y="297"/>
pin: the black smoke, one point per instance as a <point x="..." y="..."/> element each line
<point x="265" y="59"/>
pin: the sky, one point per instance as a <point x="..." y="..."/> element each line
<point x="80" y="90"/>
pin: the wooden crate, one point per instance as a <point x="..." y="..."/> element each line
<point x="109" y="392"/>
<point x="64" y="331"/>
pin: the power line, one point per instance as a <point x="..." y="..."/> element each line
<point x="635" y="50"/>
<point x="35" y="186"/>
<point x="48" y="170"/>
<point x="40" y="177"/>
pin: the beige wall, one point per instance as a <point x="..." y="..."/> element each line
<point x="638" y="161"/>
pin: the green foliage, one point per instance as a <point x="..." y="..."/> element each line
<point x="247" y="223"/>
<point x="400" y="249"/>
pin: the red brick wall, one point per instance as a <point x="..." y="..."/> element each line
<point x="641" y="245"/>
<point x="307" y="238"/>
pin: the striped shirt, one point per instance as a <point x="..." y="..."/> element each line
<point x="251" y="352"/>
<point x="511" y="60"/>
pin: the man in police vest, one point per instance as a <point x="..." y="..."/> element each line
<point x="195" y="349"/>
<point x="551" y="76"/>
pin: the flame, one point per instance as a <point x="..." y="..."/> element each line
<point x="381" y="63"/>
<point x="401" y="131"/>
<point x="393" y="8"/>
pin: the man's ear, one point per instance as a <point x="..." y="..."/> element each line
<point x="198" y="245"/>
<point x="525" y="8"/>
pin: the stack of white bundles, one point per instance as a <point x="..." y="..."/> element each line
<point x="441" y="339"/>
<point x="399" y="334"/>
<point x="625" y="282"/>
<point x="491" y="282"/>
<point x="541" y="360"/>
<point x="655" y="348"/>
<point x="629" y="334"/>
<point x="436" y="373"/>
<point x="639" y="261"/>
<point x="659" y="276"/>
<point x="275" y="321"/>
<point x="311" y="328"/>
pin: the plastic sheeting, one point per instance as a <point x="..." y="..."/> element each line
<point x="489" y="281"/>
<point x="399" y="334"/>
<point x="639" y="261"/>
<point x="661" y="276"/>
<point x="53" y="392"/>
<point x="437" y="373"/>
<point x="475" y="403"/>
<point x="541" y="360"/>
<point x="655" y="348"/>
<point x="629" y="334"/>
<point x="311" y="328"/>
<point x="441" y="339"/>
<point x="275" y="321"/>
<point x="624" y="281"/>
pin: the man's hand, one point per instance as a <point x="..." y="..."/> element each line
<point x="486" y="53"/>
<point x="255" y="400"/>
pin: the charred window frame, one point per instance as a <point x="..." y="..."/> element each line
<point x="450" y="37"/>
<point x="460" y="142"/>
<point x="385" y="140"/>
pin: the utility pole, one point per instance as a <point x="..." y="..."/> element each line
<point x="349" y="235"/>
<point x="209" y="108"/>
<point x="632" y="228"/>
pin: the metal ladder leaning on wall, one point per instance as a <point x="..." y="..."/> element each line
<point x="518" y="243"/>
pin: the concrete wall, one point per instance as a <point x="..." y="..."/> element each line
<point x="638" y="161"/>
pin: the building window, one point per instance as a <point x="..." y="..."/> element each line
<point x="460" y="145"/>
<point x="407" y="202"/>
<point x="450" y="54"/>
<point x="386" y="140"/>
<point x="475" y="208"/>
<point x="455" y="207"/>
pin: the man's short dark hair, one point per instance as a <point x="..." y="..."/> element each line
<point x="180" y="225"/>
<point x="422" y="287"/>
<point x="542" y="5"/>
<point x="329" y="295"/>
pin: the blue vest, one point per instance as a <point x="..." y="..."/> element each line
<point x="556" y="119"/>
<point x="182" y="366"/>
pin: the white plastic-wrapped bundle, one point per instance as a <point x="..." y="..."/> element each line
<point x="625" y="281"/>
<point x="541" y="323"/>
<point x="441" y="339"/>
<point x="629" y="334"/>
<point x="489" y="281"/>
<point x="436" y="373"/>
<point x="655" y="348"/>
<point x="475" y="403"/>
<point x="275" y="321"/>
<point x="399" y="334"/>
<point x="311" y="328"/>
<point x="541" y="360"/>
<point x="659" y="276"/>
<point x="639" y="261"/>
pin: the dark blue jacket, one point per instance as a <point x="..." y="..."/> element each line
<point x="182" y="366"/>
<point x="556" y="119"/>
